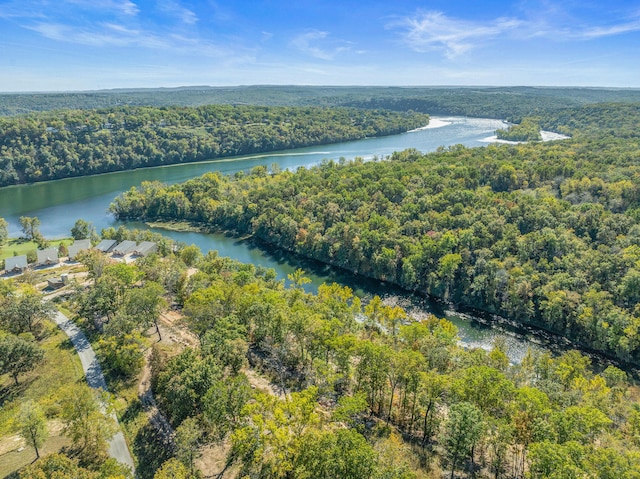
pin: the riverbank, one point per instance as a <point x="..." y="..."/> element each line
<point x="546" y="136"/>
<point x="433" y="123"/>
<point x="477" y="328"/>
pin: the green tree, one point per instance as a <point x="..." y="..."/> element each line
<point x="432" y="388"/>
<point x="144" y="304"/>
<point x="190" y="255"/>
<point x="343" y="453"/>
<point x="487" y="388"/>
<point x="18" y="356"/>
<point x="82" y="230"/>
<point x="95" y="261"/>
<point x="25" y="311"/>
<point x="30" y="227"/>
<point x="173" y="469"/>
<point x="461" y="433"/>
<point x="4" y="231"/>
<point x="549" y="460"/>
<point x="298" y="278"/>
<point x="183" y="383"/>
<point x="33" y="425"/>
<point x="273" y="435"/>
<point x="187" y="440"/>
<point x="85" y="424"/>
<point x="56" y="466"/>
<point x="224" y="402"/>
<point x="123" y="355"/>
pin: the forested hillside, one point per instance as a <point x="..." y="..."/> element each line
<point x="510" y="103"/>
<point x="62" y="144"/>
<point x="546" y="234"/>
<point x="354" y="392"/>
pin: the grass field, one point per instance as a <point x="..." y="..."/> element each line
<point x="17" y="247"/>
<point x="45" y="385"/>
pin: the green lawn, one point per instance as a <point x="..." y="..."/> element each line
<point x="16" y="247"/>
<point x="61" y="367"/>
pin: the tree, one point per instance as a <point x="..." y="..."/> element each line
<point x="85" y="424"/>
<point x="123" y="354"/>
<point x="557" y="461"/>
<point x="82" y="230"/>
<point x="30" y="227"/>
<point x="343" y="453"/>
<point x="190" y="255"/>
<point x="272" y="437"/>
<point x="188" y="436"/>
<point x="25" y="311"/>
<point x="461" y="432"/>
<point x="223" y="404"/>
<point x="173" y="469"/>
<point x="18" y="356"/>
<point x="487" y="388"/>
<point x="56" y="466"/>
<point x="4" y="231"/>
<point x="33" y="425"/>
<point x="432" y="388"/>
<point x="95" y="262"/>
<point x="298" y="278"/>
<point x="184" y="382"/>
<point x="144" y="304"/>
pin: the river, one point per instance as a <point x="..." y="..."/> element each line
<point x="58" y="204"/>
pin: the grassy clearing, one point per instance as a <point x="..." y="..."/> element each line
<point x="61" y="367"/>
<point x="175" y="226"/>
<point x="15" y="459"/>
<point x="17" y="246"/>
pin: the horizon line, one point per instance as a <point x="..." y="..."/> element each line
<point x="292" y="85"/>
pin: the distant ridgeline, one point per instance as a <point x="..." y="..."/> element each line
<point x="543" y="233"/>
<point x="510" y="103"/>
<point x="61" y="144"/>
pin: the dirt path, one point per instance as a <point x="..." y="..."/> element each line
<point x="156" y="418"/>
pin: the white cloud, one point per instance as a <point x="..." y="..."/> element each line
<point x="35" y="9"/>
<point x="124" y="7"/>
<point x="435" y="31"/>
<point x="106" y="34"/>
<point x="318" y="45"/>
<point x="176" y="9"/>
<point x="118" y="35"/>
<point x="619" y="29"/>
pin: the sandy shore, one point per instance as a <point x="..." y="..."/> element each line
<point x="433" y="123"/>
<point x="546" y="136"/>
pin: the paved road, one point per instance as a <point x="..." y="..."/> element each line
<point x="117" y="446"/>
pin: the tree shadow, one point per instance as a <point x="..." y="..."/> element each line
<point x="66" y="345"/>
<point x="11" y="391"/>
<point x="131" y="413"/>
<point x="150" y="450"/>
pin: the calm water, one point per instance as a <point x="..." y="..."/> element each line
<point x="60" y="203"/>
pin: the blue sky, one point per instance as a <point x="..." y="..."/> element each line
<point x="51" y="45"/>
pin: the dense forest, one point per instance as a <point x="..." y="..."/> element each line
<point x="511" y="103"/>
<point x="526" y="130"/>
<point x="62" y="144"/>
<point x="347" y="390"/>
<point x="543" y="233"/>
<point x="356" y="391"/>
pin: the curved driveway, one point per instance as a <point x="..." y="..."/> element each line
<point x="117" y="445"/>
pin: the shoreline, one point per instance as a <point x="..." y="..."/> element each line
<point x="433" y="123"/>
<point x="544" y="337"/>
<point x="546" y="136"/>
